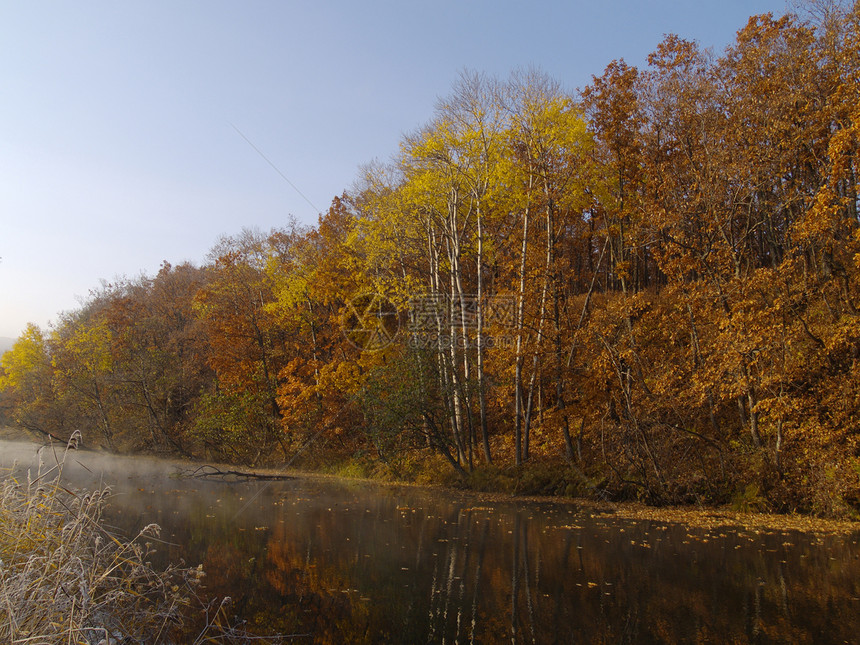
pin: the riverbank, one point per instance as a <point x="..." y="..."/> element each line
<point x="694" y="516"/>
<point x="435" y="475"/>
<point x="703" y="517"/>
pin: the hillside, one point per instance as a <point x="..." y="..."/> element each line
<point x="646" y="290"/>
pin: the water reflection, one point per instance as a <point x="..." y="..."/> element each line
<point x="353" y="563"/>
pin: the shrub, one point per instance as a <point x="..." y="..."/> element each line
<point x="749" y="500"/>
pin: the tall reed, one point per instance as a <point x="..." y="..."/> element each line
<point x="64" y="578"/>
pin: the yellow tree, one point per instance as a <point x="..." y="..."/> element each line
<point x="27" y="386"/>
<point x="83" y="363"/>
<point x="548" y="164"/>
<point x="449" y="170"/>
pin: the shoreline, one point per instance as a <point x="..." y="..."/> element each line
<point x="705" y="517"/>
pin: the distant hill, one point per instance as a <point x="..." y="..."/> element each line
<point x="6" y="343"/>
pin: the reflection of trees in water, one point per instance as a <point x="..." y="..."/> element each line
<point x="450" y="606"/>
<point x="399" y="567"/>
<point x="526" y="582"/>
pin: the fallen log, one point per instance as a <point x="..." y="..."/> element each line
<point x="208" y="471"/>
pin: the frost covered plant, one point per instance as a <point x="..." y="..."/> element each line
<point x="65" y="578"/>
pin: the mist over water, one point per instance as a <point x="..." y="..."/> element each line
<point x="84" y="467"/>
<point x="349" y="562"/>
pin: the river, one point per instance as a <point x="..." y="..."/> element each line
<point x="338" y="561"/>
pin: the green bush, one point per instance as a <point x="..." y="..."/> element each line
<point x="749" y="500"/>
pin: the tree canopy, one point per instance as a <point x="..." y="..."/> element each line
<point x="646" y="289"/>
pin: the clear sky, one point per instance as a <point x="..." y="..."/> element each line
<point x="122" y="123"/>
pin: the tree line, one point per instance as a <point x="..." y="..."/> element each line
<point x="646" y="288"/>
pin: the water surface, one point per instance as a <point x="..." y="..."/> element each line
<point x="345" y="562"/>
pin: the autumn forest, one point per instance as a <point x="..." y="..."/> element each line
<point x="645" y="289"/>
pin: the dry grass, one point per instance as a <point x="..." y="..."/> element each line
<point x="65" y="579"/>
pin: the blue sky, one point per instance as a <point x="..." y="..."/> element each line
<point x="118" y="120"/>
